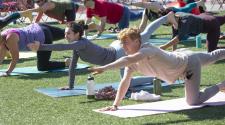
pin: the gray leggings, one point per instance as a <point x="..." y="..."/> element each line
<point x="195" y="60"/>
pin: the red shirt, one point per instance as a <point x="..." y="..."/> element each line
<point x="193" y="11"/>
<point x="112" y="11"/>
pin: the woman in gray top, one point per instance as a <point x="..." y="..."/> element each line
<point x="93" y="53"/>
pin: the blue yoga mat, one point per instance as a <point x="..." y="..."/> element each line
<point x="78" y="90"/>
<point x="81" y="89"/>
<point x="103" y="36"/>
<point x="34" y="70"/>
<point x="55" y="92"/>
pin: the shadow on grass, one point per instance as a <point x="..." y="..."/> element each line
<point x="7" y="61"/>
<point x="92" y="101"/>
<point x="42" y="75"/>
<point x="195" y="115"/>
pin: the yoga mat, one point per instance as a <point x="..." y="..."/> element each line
<point x="162" y="107"/>
<point x="34" y="70"/>
<point x="103" y="36"/>
<point x="78" y="90"/>
<point x="55" y="92"/>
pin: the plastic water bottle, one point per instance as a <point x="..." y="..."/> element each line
<point x="198" y="41"/>
<point x="157" y="86"/>
<point x="90" y="91"/>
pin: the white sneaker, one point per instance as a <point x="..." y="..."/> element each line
<point x="144" y="96"/>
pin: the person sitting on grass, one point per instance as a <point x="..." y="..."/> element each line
<point x="168" y="66"/>
<point x="92" y="53"/>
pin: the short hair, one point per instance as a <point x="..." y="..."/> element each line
<point x="132" y="33"/>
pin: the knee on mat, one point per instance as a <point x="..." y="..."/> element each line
<point x="192" y="102"/>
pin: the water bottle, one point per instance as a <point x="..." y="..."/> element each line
<point x="198" y="41"/>
<point x="90" y="91"/>
<point x="157" y="86"/>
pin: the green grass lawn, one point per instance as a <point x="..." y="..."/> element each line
<point x="21" y="105"/>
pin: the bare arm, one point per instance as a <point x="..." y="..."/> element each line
<point x="12" y="44"/>
<point x="47" y="6"/>
<point x="172" y="43"/>
<point x="101" y="25"/>
<point x="88" y="20"/>
<point x="123" y="87"/>
<point x="38" y="17"/>
<point x="144" y="22"/>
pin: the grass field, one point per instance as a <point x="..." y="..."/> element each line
<point x="21" y="105"/>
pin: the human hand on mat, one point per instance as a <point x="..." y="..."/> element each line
<point x="34" y="46"/>
<point x="109" y="108"/>
<point x="96" y="70"/>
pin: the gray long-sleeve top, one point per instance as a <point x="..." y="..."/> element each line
<point x="86" y="50"/>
